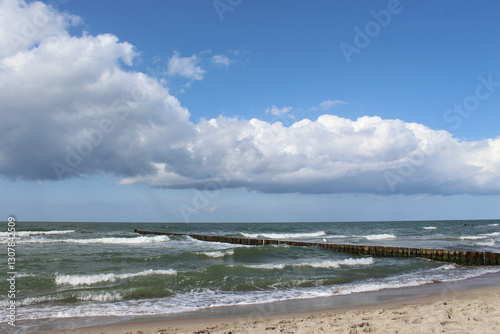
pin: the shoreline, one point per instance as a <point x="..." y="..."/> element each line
<point x="311" y="313"/>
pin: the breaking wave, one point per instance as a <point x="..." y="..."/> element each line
<point x="110" y="240"/>
<point x="284" y="235"/>
<point x="98" y="278"/>
<point x="317" y="264"/>
<point x="379" y="236"/>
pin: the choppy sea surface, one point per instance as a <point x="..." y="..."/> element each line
<point x="81" y="270"/>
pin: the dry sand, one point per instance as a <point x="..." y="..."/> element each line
<point x="469" y="311"/>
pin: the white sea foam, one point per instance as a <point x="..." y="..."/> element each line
<point x="21" y="234"/>
<point x="446" y="267"/>
<point x="494" y="234"/>
<point x="210" y="246"/>
<point x="133" y="240"/>
<point x="284" y="235"/>
<point x="379" y="236"/>
<point x="97" y="296"/>
<point x="218" y="253"/>
<point x="487" y="243"/>
<point x="99" y="278"/>
<point x="84" y="279"/>
<point x="21" y="275"/>
<point x="109" y="240"/>
<point x="267" y="266"/>
<point x="493" y="225"/>
<point x="429" y="227"/>
<point x="480" y="236"/>
<point x="336" y="264"/>
<point x="472" y="237"/>
<point x="188" y="238"/>
<point x="366" y="261"/>
<point x="371" y="286"/>
<point x="316" y="264"/>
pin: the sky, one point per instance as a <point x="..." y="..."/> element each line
<point x="249" y="111"/>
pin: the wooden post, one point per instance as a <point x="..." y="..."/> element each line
<point x="446" y="255"/>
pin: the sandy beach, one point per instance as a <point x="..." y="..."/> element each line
<point x="468" y="311"/>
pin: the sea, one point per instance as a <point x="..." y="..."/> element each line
<point x="73" y="274"/>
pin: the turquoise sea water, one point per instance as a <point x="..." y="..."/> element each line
<point x="80" y="270"/>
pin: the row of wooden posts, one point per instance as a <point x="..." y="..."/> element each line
<point x="461" y="257"/>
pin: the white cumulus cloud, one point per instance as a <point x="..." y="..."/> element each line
<point x="221" y="60"/>
<point x="330" y="103"/>
<point x="278" y="111"/>
<point x="332" y="155"/>
<point x="70" y="106"/>
<point x="23" y="25"/>
<point x="185" y="66"/>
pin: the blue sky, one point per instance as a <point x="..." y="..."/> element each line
<point x="426" y="59"/>
<point x="404" y="128"/>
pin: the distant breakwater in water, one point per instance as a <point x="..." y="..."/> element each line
<point x="472" y="258"/>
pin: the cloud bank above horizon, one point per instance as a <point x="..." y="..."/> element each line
<point x="73" y="106"/>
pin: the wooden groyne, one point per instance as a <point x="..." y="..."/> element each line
<point x="461" y="257"/>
